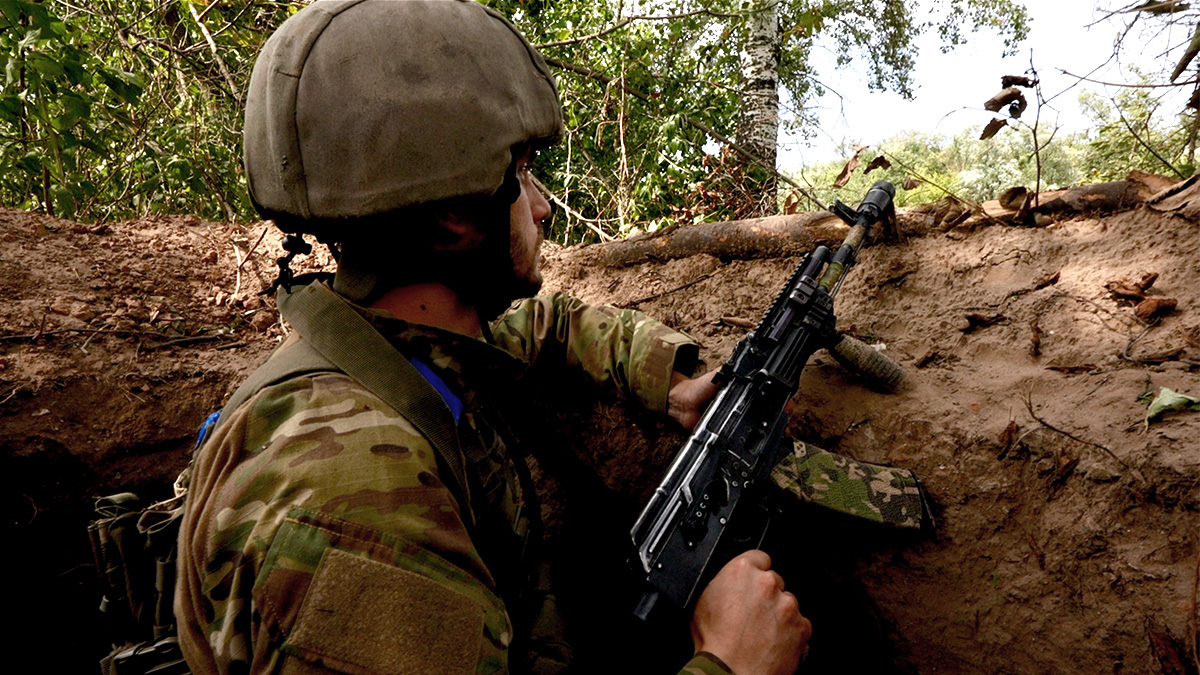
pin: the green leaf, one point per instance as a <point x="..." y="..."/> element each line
<point x="30" y="39"/>
<point x="1168" y="400"/>
<point x="126" y="85"/>
<point x="46" y="65"/>
<point x="75" y="108"/>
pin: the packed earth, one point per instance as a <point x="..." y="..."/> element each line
<point x="1067" y="535"/>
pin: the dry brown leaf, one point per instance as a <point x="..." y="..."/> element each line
<point x="1147" y="280"/>
<point x="880" y="162"/>
<point x="910" y="182"/>
<point x="1013" y="197"/>
<point x="1009" y="435"/>
<point x="1010" y="97"/>
<point x="1152" y="308"/>
<point x="791" y="204"/>
<point x="1017" y="81"/>
<point x="1124" y="288"/>
<point x="993" y="128"/>
<point x="977" y="321"/>
<point x="737" y="321"/>
<point x="1048" y="280"/>
<point x="851" y="165"/>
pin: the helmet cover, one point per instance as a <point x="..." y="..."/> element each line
<point x="360" y="107"/>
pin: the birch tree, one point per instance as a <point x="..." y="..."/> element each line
<point x="651" y="88"/>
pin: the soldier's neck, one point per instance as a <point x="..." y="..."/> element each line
<point x="432" y="304"/>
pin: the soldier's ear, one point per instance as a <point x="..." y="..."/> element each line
<point x="462" y="232"/>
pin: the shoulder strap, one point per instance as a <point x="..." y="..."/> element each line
<point x="291" y="359"/>
<point x="334" y="330"/>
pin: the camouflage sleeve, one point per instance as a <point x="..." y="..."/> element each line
<point x="704" y="663"/>
<point x="624" y="351"/>
<point x="318" y="538"/>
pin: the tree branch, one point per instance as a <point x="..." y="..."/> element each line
<point x="601" y="77"/>
<point x="1143" y="143"/>
<point x="212" y="45"/>
<point x="642" y="17"/>
<point x="1129" y="86"/>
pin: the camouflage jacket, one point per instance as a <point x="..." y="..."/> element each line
<point x="319" y="536"/>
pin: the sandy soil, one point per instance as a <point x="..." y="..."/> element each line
<point x="1071" y="544"/>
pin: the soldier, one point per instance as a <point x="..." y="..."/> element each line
<point x="360" y="506"/>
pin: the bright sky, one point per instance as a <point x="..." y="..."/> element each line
<point x="969" y="75"/>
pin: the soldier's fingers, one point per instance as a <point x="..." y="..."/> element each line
<point x="806" y="628"/>
<point x="757" y="558"/>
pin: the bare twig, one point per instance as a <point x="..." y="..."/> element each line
<point x="648" y="298"/>
<point x="696" y="124"/>
<point x="237" y="286"/>
<point x="185" y="341"/>
<point x="591" y="223"/>
<point x="262" y="236"/>
<point x="212" y="45"/>
<point x="1029" y="407"/>
<point x="1143" y="143"/>
<point x="204" y="12"/>
<point x="1129" y="86"/>
<point x="114" y="331"/>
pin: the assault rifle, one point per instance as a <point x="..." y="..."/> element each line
<point x="708" y="507"/>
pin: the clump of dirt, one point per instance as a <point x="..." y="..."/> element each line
<point x="1068" y="532"/>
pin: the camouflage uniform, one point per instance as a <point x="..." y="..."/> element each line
<point x="319" y="535"/>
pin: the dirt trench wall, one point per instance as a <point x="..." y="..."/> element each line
<point x="1052" y="554"/>
<point x="1069" y="544"/>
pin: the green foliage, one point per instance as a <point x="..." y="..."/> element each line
<point x="637" y="90"/>
<point x="964" y="165"/>
<point x="117" y="109"/>
<point x="1130" y="131"/>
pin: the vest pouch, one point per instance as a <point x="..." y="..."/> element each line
<point x="124" y="567"/>
<point x="135" y="551"/>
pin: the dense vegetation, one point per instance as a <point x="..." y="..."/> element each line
<point x="114" y="109"/>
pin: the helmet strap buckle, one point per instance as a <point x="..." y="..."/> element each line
<point x="295" y="245"/>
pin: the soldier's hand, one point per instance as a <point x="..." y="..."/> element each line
<point x="688" y="397"/>
<point x="746" y="618"/>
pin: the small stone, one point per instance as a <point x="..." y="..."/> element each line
<point x="262" y="321"/>
<point x="1102" y="474"/>
<point x="82" y="311"/>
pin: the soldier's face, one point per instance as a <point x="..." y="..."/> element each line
<point x="526" y="216"/>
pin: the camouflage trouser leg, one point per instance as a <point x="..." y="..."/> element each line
<point x="879" y="493"/>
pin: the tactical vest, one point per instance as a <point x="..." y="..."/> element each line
<point x="136" y="548"/>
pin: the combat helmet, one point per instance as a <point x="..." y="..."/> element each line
<point x="365" y="107"/>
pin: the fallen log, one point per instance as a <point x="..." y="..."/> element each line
<point x="769" y="237"/>
<point x="796" y="234"/>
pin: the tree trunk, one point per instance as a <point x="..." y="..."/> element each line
<point x="758" y="114"/>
